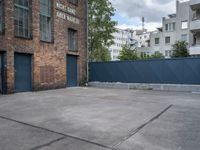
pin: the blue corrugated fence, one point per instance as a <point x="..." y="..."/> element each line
<point x="165" y="71"/>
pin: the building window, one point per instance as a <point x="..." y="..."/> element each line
<point x="148" y="43"/>
<point x="115" y="58"/>
<point x="170" y="26"/>
<point x="166" y="27"/>
<point x="1" y="16"/>
<point x="157" y="40"/>
<point x="22" y="18"/>
<point x="115" y="51"/>
<point x="184" y="37"/>
<point x="196" y="15"/>
<point x="173" y="26"/>
<point x="194" y="40"/>
<point x="184" y="25"/>
<point x="45" y="21"/>
<point x="167" y="40"/>
<point x="144" y="54"/>
<point x="73" y="2"/>
<point x="168" y="53"/>
<point x="72" y="40"/>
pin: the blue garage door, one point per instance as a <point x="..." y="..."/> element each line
<point x="23" y="71"/>
<point x="72" y="71"/>
<point x="1" y="73"/>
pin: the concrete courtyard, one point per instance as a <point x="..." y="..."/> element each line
<point x="100" y="119"/>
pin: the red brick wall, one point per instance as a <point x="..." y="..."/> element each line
<point x="49" y="59"/>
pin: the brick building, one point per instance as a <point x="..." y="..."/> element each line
<point x="42" y="44"/>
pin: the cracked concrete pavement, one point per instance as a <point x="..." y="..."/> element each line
<point x="100" y="119"/>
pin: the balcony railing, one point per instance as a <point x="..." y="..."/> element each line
<point x="195" y="4"/>
<point x="195" y="24"/>
<point x="195" y="50"/>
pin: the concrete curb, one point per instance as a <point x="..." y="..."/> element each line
<point x="146" y="86"/>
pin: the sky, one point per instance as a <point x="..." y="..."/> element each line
<point x="129" y="12"/>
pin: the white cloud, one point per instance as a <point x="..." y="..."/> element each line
<point x="149" y="26"/>
<point x="152" y="10"/>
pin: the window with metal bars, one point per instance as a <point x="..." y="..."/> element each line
<point x="74" y="1"/>
<point x="72" y="40"/>
<point x="1" y="16"/>
<point x="45" y="21"/>
<point x="22" y="18"/>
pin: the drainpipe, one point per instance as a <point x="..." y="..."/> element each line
<point x="87" y="53"/>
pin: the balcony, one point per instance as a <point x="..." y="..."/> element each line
<point x="195" y="25"/>
<point x="195" y="50"/>
<point x="195" y="4"/>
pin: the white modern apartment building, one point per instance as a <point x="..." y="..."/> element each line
<point x="121" y="37"/>
<point x="182" y="26"/>
<point x="135" y="38"/>
<point x="195" y="27"/>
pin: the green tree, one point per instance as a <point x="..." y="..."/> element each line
<point x="157" y="55"/>
<point x="100" y="29"/>
<point x="128" y="53"/>
<point x="180" y="49"/>
<point x="101" y="55"/>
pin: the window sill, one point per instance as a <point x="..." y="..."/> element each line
<point x="73" y="53"/>
<point x="48" y="42"/>
<point x="25" y="38"/>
